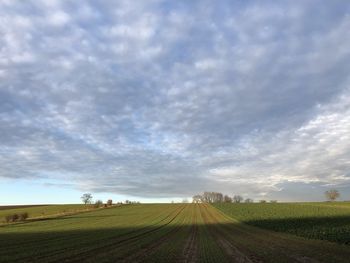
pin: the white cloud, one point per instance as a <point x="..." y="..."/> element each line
<point x="59" y="18"/>
<point x="165" y="99"/>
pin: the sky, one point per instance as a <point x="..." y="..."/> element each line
<point x="160" y="100"/>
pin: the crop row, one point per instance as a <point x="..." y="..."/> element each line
<point x="157" y="233"/>
<point x="325" y="221"/>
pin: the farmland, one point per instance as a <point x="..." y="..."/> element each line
<point x="157" y="233"/>
<point x="328" y="221"/>
<point x="8" y="207"/>
<point x="41" y="211"/>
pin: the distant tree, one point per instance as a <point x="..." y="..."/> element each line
<point x="273" y="201"/>
<point x="227" y="199"/>
<point x="15" y="217"/>
<point x="23" y="216"/>
<point x="110" y="202"/>
<point x="130" y="202"/>
<point x="237" y="198"/>
<point x="262" y="201"/>
<point x="219" y="198"/>
<point x="11" y="218"/>
<point x="249" y="200"/>
<point x="86" y="198"/>
<point x="332" y="194"/>
<point x="197" y="199"/>
<point x="98" y="203"/>
<point x="212" y="197"/>
<point x="185" y="200"/>
<point x="8" y="218"/>
<point x="207" y="197"/>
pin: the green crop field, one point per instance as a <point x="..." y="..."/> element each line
<point x="8" y="207"/>
<point x="328" y="221"/>
<point x="158" y="233"/>
<point x="37" y="211"/>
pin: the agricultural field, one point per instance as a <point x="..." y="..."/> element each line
<point x="325" y="221"/>
<point x="41" y="211"/>
<point x="8" y="207"/>
<point x="157" y="233"/>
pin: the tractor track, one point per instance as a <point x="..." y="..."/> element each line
<point x="190" y="251"/>
<point x="232" y="252"/>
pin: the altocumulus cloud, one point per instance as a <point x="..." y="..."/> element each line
<point x="170" y="98"/>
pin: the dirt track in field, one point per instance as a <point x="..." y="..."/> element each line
<point x="190" y="250"/>
<point x="232" y="253"/>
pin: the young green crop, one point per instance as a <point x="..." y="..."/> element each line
<point x="156" y="233"/>
<point x="41" y="210"/>
<point x="74" y="236"/>
<point x="327" y="221"/>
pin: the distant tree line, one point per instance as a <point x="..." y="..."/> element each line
<point x="87" y="199"/>
<point x="216" y="197"/>
<point x="16" y="217"/>
<point x="128" y="202"/>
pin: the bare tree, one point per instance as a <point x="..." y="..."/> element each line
<point x="209" y="197"/>
<point x="206" y="198"/>
<point x="197" y="199"/>
<point x="86" y="198"/>
<point x="213" y="197"/>
<point x="110" y="202"/>
<point x="227" y="199"/>
<point x="219" y="197"/>
<point x="237" y="198"/>
<point x="98" y="203"/>
<point x="332" y="194"/>
<point x="23" y="216"/>
<point x="249" y="200"/>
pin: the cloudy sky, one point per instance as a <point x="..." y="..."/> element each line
<point x="158" y="100"/>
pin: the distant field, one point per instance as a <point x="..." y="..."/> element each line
<point x="8" y="207"/>
<point x="327" y="221"/>
<point x="157" y="233"/>
<point x="39" y="210"/>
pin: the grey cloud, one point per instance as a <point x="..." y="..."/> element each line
<point x="165" y="99"/>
